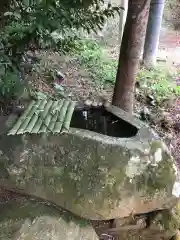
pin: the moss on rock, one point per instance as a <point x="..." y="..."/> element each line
<point x="92" y="175"/>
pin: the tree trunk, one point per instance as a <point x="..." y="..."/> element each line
<point x="122" y="18"/>
<point x="153" y="32"/>
<point x="130" y="52"/>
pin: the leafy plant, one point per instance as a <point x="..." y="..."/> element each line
<point x="33" y="24"/>
<point x="160" y="82"/>
<point x="100" y="67"/>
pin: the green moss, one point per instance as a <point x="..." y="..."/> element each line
<point x="169" y="219"/>
<point x="157" y="178"/>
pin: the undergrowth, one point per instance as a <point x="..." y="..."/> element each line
<point x="93" y="57"/>
<point x="158" y="82"/>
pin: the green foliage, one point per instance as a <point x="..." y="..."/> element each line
<point x="34" y="24"/>
<point x="159" y="82"/>
<point x="100" y="67"/>
<point x="10" y="85"/>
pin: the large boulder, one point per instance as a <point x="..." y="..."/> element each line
<point x="160" y="224"/>
<point x="24" y="219"/>
<point x="92" y="175"/>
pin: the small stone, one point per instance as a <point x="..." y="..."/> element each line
<point x="150" y="97"/>
<point x="106" y="104"/>
<point x="137" y="92"/>
<point x="94" y="104"/>
<point x="59" y="75"/>
<point x="153" y="103"/>
<point x="146" y="110"/>
<point x="88" y="102"/>
<point x="145" y="114"/>
<point x="169" y="136"/>
<point x="151" y="100"/>
<point x="122" y="221"/>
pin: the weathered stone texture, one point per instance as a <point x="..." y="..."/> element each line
<point x="91" y="175"/>
<point x="22" y="219"/>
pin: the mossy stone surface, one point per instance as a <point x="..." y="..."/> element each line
<point x="24" y="219"/>
<point x="92" y="175"/>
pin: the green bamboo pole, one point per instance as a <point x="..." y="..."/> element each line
<point x="25" y="124"/>
<point x="39" y="122"/>
<point x="44" y="115"/>
<point x="21" y="119"/>
<point x="58" y="125"/>
<point x="34" y="118"/>
<point x="58" y="113"/>
<point x="54" y="114"/>
<point x="68" y="116"/>
<point x="46" y="122"/>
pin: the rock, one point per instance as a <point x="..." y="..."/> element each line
<point x="95" y="176"/>
<point x="167" y="220"/>
<point x="60" y="76"/>
<point x="106" y="104"/>
<point x="50" y="228"/>
<point x="88" y="102"/>
<point x="150" y="97"/>
<point x="139" y="222"/>
<point x="151" y="100"/>
<point x="100" y="104"/>
<point x="137" y="92"/>
<point x="23" y="219"/>
<point x="95" y="104"/>
<point x="145" y="114"/>
<point x="162" y="224"/>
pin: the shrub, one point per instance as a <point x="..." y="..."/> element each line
<point x="32" y="24"/>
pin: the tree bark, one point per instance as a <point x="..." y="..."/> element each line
<point x="153" y="32"/>
<point x="130" y="52"/>
<point x="122" y="18"/>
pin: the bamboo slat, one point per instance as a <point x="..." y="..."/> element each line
<point x="43" y="116"/>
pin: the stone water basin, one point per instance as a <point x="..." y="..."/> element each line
<point x="107" y="166"/>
